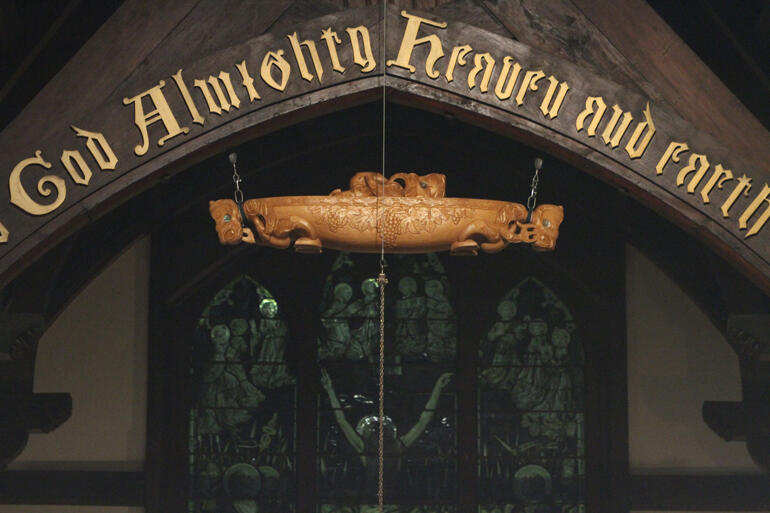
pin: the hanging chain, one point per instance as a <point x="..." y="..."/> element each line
<point x="382" y="280"/>
<point x="532" y="200"/>
<point x="238" y="195"/>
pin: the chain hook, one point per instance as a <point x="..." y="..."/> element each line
<point x="238" y="195"/>
<point x="532" y="200"/>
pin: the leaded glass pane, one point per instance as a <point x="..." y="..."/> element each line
<point x="420" y="404"/>
<point x="420" y="437"/>
<point x="241" y="443"/>
<point x="421" y="321"/>
<point x="531" y="419"/>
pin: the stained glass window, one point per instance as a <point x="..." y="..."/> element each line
<point x="526" y="413"/>
<point x="531" y="413"/>
<point x="242" y="423"/>
<point x="420" y="412"/>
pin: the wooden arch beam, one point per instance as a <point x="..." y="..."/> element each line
<point x="174" y="111"/>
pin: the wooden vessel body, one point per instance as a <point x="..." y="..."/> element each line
<point x="403" y="224"/>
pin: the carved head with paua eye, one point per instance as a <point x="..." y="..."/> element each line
<point x="547" y="219"/>
<point x="228" y="220"/>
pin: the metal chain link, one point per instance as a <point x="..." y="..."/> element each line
<point x="238" y="195"/>
<point x="382" y="280"/>
<point x="532" y="200"/>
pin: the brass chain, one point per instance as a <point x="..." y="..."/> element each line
<point x="382" y="280"/>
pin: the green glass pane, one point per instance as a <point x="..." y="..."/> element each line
<point x="241" y="438"/>
<point x="531" y="421"/>
<point x="420" y="320"/>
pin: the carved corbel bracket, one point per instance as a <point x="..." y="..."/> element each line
<point x="748" y="420"/>
<point x="24" y="412"/>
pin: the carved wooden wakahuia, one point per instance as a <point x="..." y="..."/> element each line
<point x="407" y="212"/>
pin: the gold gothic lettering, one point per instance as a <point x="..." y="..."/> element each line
<point x="743" y="187"/>
<point x="332" y="40"/>
<point x="477" y="67"/>
<point x="161" y="113"/>
<point x="275" y="59"/>
<point x="82" y="177"/>
<point x="457" y="57"/>
<point x="607" y="136"/>
<point x="188" y="101"/>
<point x="718" y="178"/>
<point x="529" y="83"/>
<point x="696" y="159"/>
<point x="102" y="154"/>
<point x="672" y="153"/>
<point x="507" y="79"/>
<point x="594" y="107"/>
<point x="634" y="151"/>
<point x="410" y="40"/>
<point x="365" y="60"/>
<point x="762" y="197"/>
<point x="248" y="82"/>
<point x="549" y="109"/>
<point x="221" y="103"/>
<point x="21" y="199"/>
<point x="76" y="165"/>
<point x="304" y="72"/>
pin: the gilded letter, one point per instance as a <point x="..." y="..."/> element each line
<point x="332" y="39"/>
<point x="744" y="186"/>
<point x="718" y="178"/>
<point x="636" y="151"/>
<point x="607" y="136"/>
<point x="672" y="153"/>
<point x="762" y="197"/>
<point x="296" y="47"/>
<point x="221" y="103"/>
<point x="4" y="234"/>
<point x="83" y="177"/>
<point x="551" y="110"/>
<point x="21" y="199"/>
<point x="703" y="165"/>
<point x="275" y="59"/>
<point x="410" y="40"/>
<point x="506" y="82"/>
<point x="529" y="83"/>
<point x="188" y="101"/>
<point x="162" y="113"/>
<point x="594" y="107"/>
<point x="457" y="57"/>
<point x="489" y="65"/>
<point x="102" y="154"/>
<point x="365" y="60"/>
<point x="248" y="82"/>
